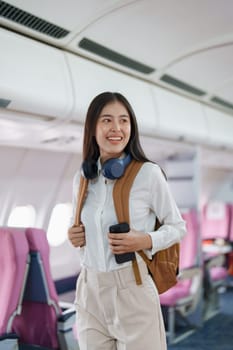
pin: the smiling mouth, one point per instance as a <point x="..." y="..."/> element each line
<point x="115" y="138"/>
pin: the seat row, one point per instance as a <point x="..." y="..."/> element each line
<point x="32" y="316"/>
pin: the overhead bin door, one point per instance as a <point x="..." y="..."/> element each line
<point x="34" y="77"/>
<point x="180" y="117"/>
<point x="90" y="79"/>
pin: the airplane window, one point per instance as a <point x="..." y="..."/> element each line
<point x="22" y="216"/>
<point x="59" y="223"/>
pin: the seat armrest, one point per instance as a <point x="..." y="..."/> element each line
<point x="9" y="336"/>
<point x="66" y="306"/>
<point x="67" y="319"/>
<point x="68" y="309"/>
<point x="9" y="341"/>
<point x="66" y="315"/>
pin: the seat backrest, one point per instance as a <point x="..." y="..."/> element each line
<point x="14" y="263"/>
<point x="38" y="242"/>
<point x="40" y="305"/>
<point x="215" y="220"/>
<point x="189" y="246"/>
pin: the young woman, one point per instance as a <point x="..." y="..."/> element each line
<point x="113" y="312"/>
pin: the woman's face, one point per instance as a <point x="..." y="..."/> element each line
<point x="113" y="130"/>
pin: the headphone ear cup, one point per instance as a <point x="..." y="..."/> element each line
<point x="89" y="169"/>
<point x="114" y="168"/>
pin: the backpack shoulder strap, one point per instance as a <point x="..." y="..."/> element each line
<point x="121" y="192"/>
<point x="122" y="189"/>
<point x="83" y="184"/>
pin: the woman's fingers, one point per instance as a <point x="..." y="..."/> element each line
<point x="76" y="235"/>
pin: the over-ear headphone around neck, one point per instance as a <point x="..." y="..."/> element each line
<point x="112" y="169"/>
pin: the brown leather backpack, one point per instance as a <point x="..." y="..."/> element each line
<point x="164" y="265"/>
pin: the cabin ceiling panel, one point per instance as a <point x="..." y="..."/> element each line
<point x="160" y="34"/>
<point x="156" y="33"/>
<point x="66" y="14"/>
<point x="207" y="69"/>
<point x="71" y="15"/>
<point x="172" y="38"/>
<point x="174" y="41"/>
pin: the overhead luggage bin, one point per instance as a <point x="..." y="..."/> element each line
<point x="180" y="117"/>
<point x="34" y="77"/>
<point x="90" y="79"/>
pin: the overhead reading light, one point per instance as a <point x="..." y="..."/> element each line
<point x="222" y="102"/>
<point x="4" y="103"/>
<point x="181" y="85"/>
<point x="26" y="19"/>
<point x="114" y="56"/>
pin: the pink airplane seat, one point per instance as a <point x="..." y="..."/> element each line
<point x="41" y="312"/>
<point x="14" y="265"/>
<point x="185" y="295"/>
<point x="215" y="221"/>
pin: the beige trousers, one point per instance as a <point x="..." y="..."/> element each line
<point x="113" y="313"/>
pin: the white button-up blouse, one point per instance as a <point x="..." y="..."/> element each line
<point x="149" y="197"/>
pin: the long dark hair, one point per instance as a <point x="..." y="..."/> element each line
<point x="90" y="146"/>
